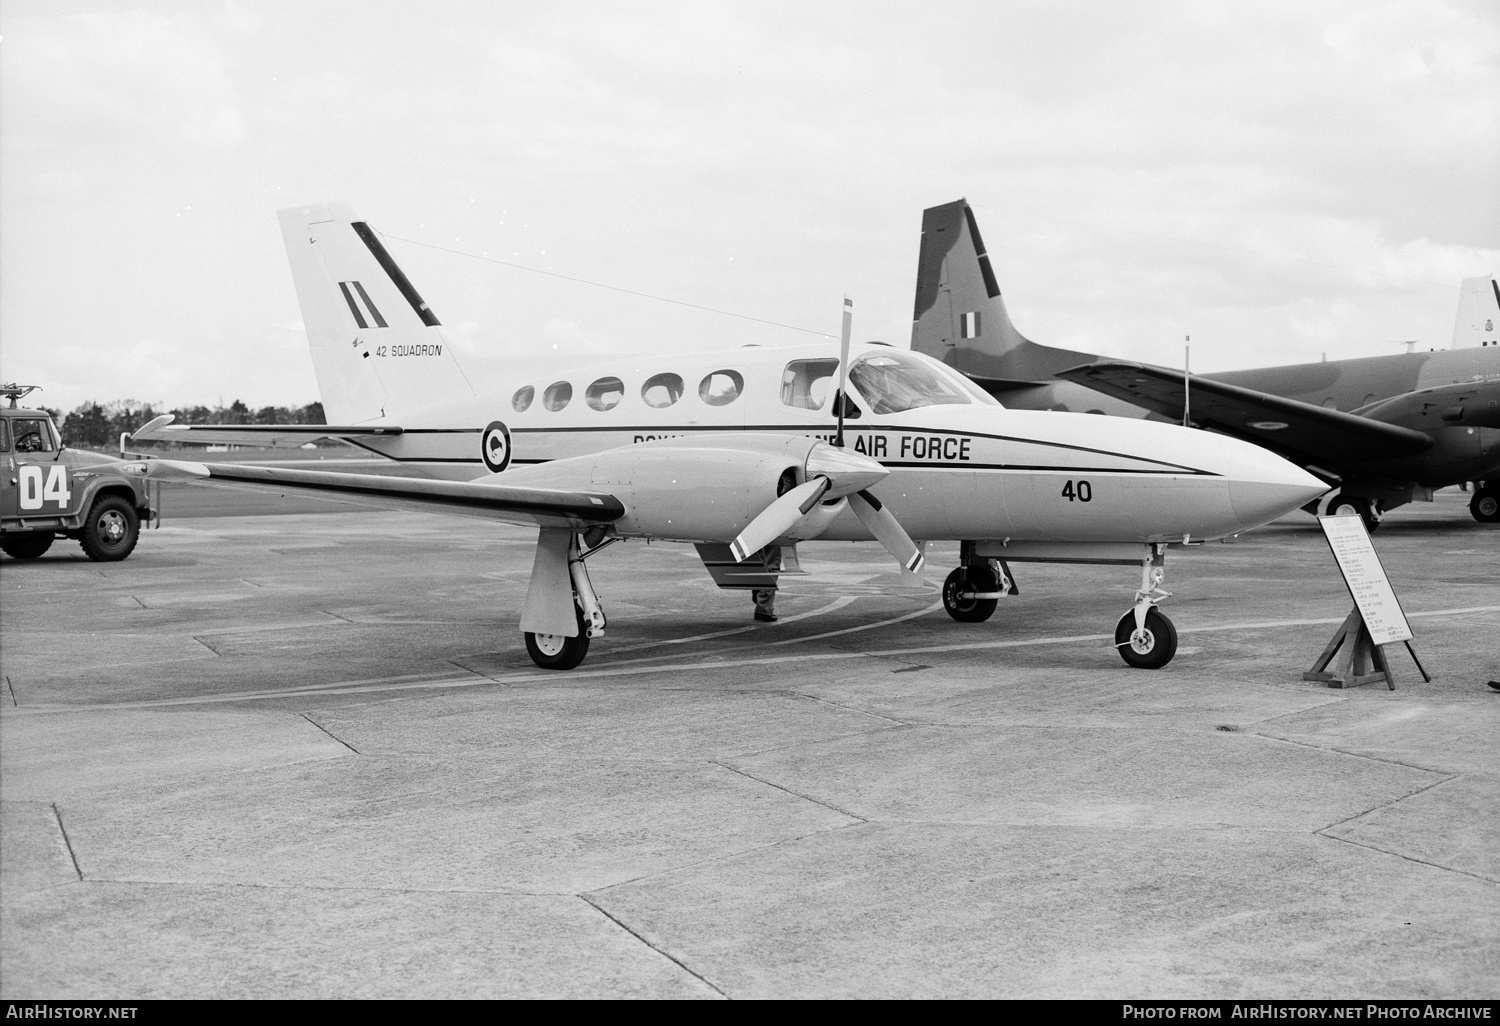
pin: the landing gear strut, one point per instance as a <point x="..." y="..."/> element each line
<point x="563" y="651"/>
<point x="1144" y="637"/>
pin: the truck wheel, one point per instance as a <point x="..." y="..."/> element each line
<point x="110" y="530"/>
<point x="25" y="546"/>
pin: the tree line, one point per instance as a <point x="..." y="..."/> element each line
<point x="98" y="425"/>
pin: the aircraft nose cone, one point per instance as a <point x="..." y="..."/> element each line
<point x="1263" y="486"/>
<point x="847" y="471"/>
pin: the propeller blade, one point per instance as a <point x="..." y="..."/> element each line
<point x="838" y="397"/>
<point x="879" y="522"/>
<point x="777" y="518"/>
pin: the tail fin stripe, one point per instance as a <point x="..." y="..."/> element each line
<point x="397" y="277"/>
<point x="369" y="305"/>
<point x="353" y="306"/>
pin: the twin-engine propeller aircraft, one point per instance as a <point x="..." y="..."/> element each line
<point x="1383" y="430"/>
<point x="744" y="453"/>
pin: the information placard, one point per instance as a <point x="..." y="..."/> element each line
<point x="1373" y="595"/>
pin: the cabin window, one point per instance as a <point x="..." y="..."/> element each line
<point x="4" y="435"/>
<point x="806" y="384"/>
<point x="661" y="390"/>
<point x="521" y="401"/>
<point x="605" y="394"/>
<point x="33" y="436"/>
<point x="896" y="381"/>
<point x="558" y="395"/>
<point x="721" y="388"/>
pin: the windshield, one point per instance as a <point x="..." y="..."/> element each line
<point x="897" y="381"/>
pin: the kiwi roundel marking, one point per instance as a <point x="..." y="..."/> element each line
<point x="494" y="446"/>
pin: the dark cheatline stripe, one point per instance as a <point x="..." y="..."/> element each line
<point x="359" y="318"/>
<point x="377" y="250"/>
<point x="375" y="313"/>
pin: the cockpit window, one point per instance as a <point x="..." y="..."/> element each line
<point x="896" y="381"/>
<point x="721" y="388"/>
<point x="806" y="384"/>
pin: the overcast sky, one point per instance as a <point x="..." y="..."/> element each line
<point x="1280" y="180"/>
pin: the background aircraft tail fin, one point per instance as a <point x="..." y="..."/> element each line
<point x="1478" y="322"/>
<point x="960" y="316"/>
<point x="378" y="349"/>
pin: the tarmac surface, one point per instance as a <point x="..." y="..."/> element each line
<point x="306" y="755"/>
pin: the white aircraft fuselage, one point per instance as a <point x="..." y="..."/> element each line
<point x="970" y="469"/>
<point x="735" y="452"/>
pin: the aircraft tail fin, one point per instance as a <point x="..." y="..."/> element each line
<point x="1478" y="322"/>
<point x="378" y="349"/>
<point x="960" y="316"/>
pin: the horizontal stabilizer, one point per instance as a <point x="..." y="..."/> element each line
<point x="1284" y="425"/>
<point x="282" y="436"/>
<point x="544" y="506"/>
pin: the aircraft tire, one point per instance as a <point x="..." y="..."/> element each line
<point x="555" y="652"/>
<point x="25" y="546"/>
<point x="111" y="530"/>
<point x="970" y="579"/>
<point x="1154" y="649"/>
<point x="1485" y="505"/>
<point x="1342" y="504"/>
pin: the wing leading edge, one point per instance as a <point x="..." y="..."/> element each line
<point x="542" y="506"/>
<point x="1285" y="425"/>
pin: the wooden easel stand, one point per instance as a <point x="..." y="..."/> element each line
<point x="1363" y="661"/>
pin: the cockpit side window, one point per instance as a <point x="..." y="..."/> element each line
<point x="895" y="382"/>
<point x="807" y="384"/>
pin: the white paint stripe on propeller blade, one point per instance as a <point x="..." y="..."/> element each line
<point x="777" y="518"/>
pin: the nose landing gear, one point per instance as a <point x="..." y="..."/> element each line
<point x="1144" y="637"/>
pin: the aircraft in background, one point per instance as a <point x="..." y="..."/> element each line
<point x="745" y="453"/>
<point x="1382" y="430"/>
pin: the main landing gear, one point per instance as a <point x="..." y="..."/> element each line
<point x="1485" y="505"/>
<point x="552" y="585"/>
<point x="1144" y="637"/>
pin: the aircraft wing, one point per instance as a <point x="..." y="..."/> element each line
<point x="285" y="436"/>
<point x="547" y="507"/>
<point x="1314" y="434"/>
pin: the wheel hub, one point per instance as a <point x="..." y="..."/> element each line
<point x="1142" y="641"/>
<point x="550" y="644"/>
<point x="112" y="527"/>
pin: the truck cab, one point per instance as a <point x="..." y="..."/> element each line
<point x="48" y="490"/>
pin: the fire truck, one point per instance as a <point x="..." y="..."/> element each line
<point x="49" y="491"/>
